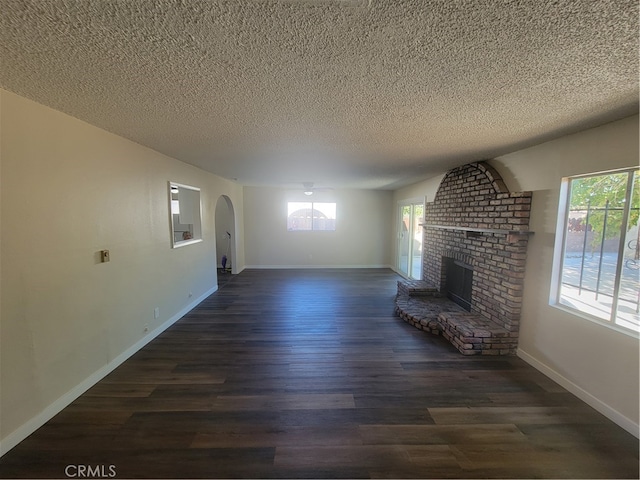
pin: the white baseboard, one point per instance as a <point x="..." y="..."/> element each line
<point x="287" y="267"/>
<point x="608" y="411"/>
<point x="22" y="432"/>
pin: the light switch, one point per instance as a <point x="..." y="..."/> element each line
<point x="104" y="256"/>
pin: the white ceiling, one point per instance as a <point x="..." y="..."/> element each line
<point x="342" y="93"/>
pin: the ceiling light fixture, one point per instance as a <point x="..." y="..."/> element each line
<point x="308" y="188"/>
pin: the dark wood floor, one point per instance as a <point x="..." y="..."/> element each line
<point x="298" y="373"/>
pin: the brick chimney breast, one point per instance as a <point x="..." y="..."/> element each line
<point x="475" y="219"/>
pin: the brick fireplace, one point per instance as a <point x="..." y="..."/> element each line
<point x="475" y="237"/>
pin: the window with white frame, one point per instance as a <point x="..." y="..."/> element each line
<point x="597" y="264"/>
<point x="311" y="216"/>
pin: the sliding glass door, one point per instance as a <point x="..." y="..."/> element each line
<point x="410" y="240"/>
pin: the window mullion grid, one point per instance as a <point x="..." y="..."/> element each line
<point x="620" y="261"/>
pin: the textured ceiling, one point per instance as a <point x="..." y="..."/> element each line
<point x="342" y="93"/>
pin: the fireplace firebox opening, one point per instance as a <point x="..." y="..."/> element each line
<point x="458" y="282"/>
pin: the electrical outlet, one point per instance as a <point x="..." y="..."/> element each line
<point x="156" y="312"/>
<point x="146" y="327"/>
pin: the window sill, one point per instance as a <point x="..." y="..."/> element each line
<point x="597" y="320"/>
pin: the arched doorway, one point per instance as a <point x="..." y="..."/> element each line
<point x="225" y="222"/>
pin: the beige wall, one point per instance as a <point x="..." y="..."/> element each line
<point x="594" y="362"/>
<point x="360" y="238"/>
<point x="70" y="190"/>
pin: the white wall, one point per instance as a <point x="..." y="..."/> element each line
<point x="70" y="190"/>
<point x="360" y="240"/>
<point x="595" y="362"/>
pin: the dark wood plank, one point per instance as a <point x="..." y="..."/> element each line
<point x="308" y="374"/>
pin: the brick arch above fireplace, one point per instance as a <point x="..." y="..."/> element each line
<point x="472" y="177"/>
<point x="474" y="196"/>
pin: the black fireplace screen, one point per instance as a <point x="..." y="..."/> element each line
<point x="459" y="277"/>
